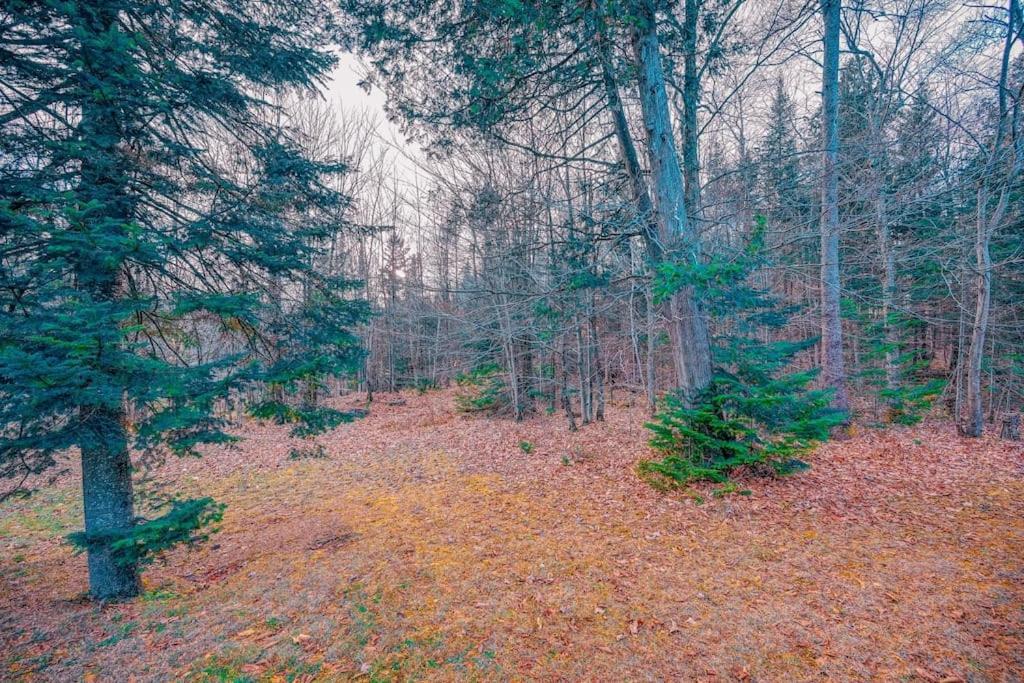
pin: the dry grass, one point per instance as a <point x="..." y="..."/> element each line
<point x="429" y="546"/>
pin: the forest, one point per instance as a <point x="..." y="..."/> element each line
<point x="511" y="340"/>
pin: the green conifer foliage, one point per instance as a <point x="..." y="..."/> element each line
<point x="756" y="413"/>
<point x="161" y="227"/>
<point x="906" y="401"/>
<point x="482" y="390"/>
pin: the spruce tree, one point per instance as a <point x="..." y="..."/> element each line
<point x="894" y="362"/>
<point x="149" y="192"/>
<point x="757" y="413"/>
<point x="783" y="195"/>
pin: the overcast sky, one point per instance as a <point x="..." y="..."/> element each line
<point x="343" y="92"/>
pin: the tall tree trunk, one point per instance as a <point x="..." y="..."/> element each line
<point x="652" y="387"/>
<point x="983" y="295"/>
<point x="596" y="370"/>
<point x="889" y="337"/>
<point x="106" y="463"/>
<point x="958" y="358"/>
<point x="641" y="198"/>
<point x="582" y="372"/>
<point x="627" y="148"/>
<point x="687" y="326"/>
<point x="831" y="321"/>
<point x="665" y="219"/>
<point x="553" y="396"/>
<point x="634" y="338"/>
<point x="566" y="398"/>
<point x="107" y="498"/>
<point x="989" y="219"/>
<point x="986" y="224"/>
<point x="691" y="101"/>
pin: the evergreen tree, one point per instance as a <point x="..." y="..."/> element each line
<point x="784" y="196"/>
<point x="147" y="185"/>
<point x="786" y="200"/>
<point x="917" y="212"/>
<point x="891" y="200"/>
<point x="756" y="413"/>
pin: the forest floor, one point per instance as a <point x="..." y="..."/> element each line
<point x="433" y="546"/>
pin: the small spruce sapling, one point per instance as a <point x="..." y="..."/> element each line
<point x="482" y="390"/>
<point x="755" y="414"/>
<point x="905" y="390"/>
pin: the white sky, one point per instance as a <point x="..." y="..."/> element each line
<point x="343" y="93"/>
<point x="342" y="89"/>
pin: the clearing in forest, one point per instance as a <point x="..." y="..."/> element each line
<point x="431" y="546"/>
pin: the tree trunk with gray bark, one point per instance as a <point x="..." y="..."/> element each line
<point x="691" y="349"/>
<point x="834" y="370"/>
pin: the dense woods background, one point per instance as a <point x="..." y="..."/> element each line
<point x="516" y="248"/>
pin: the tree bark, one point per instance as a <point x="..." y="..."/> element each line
<point x="627" y="148"/>
<point x="691" y="101"/>
<point x="975" y="423"/>
<point x="652" y="386"/>
<point x="885" y="245"/>
<point x="664" y="220"/>
<point x="582" y="373"/>
<point x="107" y="497"/>
<point x="1011" y="428"/>
<point x="988" y="221"/>
<point x="566" y="398"/>
<point x="596" y="369"/>
<point x="688" y="327"/>
<point x="831" y="321"/>
<point x="106" y="463"/>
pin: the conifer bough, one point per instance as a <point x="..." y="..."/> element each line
<point x="151" y="199"/>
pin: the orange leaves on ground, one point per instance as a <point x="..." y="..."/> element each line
<point x="431" y="546"/>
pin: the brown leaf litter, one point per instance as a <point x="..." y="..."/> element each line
<point x="431" y="546"/>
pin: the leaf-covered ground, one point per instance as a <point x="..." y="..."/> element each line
<point x="430" y="546"/>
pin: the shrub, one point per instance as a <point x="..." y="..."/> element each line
<point x="311" y="452"/>
<point x="754" y="414"/>
<point x="425" y="384"/>
<point x="482" y="390"/>
<point x="742" y="420"/>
